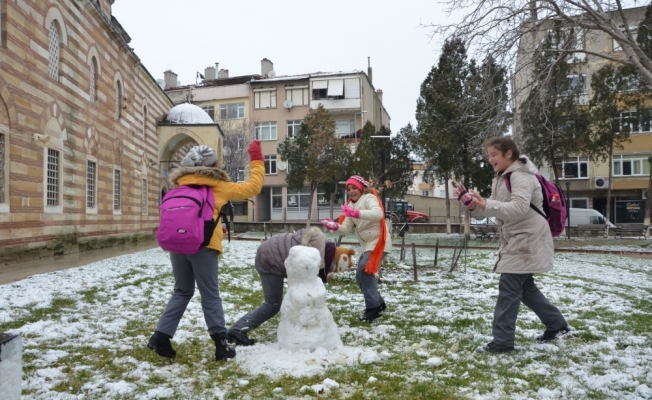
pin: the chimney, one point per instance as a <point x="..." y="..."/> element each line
<point x="369" y="72"/>
<point x="223" y="74"/>
<point x="379" y="92"/>
<point x="209" y="73"/>
<point x="170" y="79"/>
<point x="266" y="66"/>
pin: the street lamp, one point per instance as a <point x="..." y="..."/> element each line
<point x="568" y="209"/>
<point x="383" y="175"/>
<point x="355" y="134"/>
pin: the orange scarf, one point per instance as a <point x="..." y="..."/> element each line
<point x="377" y="254"/>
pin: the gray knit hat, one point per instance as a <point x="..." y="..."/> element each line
<point x="200" y="156"/>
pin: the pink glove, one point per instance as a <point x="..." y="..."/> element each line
<point x="330" y="224"/>
<point x="349" y="212"/>
<point x="463" y="196"/>
<point x="255" y="152"/>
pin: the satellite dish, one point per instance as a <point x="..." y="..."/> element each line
<point x="287" y="104"/>
<point x="226" y="151"/>
<point x="281" y="165"/>
<point x="271" y="74"/>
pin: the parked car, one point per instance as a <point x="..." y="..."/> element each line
<point x="586" y="216"/>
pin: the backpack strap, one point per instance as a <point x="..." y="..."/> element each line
<point x="532" y="206"/>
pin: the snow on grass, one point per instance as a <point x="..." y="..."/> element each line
<point x="85" y="332"/>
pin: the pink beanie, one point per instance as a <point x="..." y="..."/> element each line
<point x="358" y="181"/>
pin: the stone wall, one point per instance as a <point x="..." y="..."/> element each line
<point x="116" y="129"/>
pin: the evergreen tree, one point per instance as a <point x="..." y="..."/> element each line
<point x="555" y="122"/>
<point x="460" y="105"/>
<point x="315" y="155"/>
<point x="398" y="172"/>
<point x="612" y="95"/>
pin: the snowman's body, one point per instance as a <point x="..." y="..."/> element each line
<point x="306" y="322"/>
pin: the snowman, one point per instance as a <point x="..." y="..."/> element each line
<point x="306" y="322"/>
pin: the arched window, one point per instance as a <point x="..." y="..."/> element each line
<point x="92" y="80"/>
<point x="53" y="67"/>
<point x="144" y="121"/>
<point x="118" y="99"/>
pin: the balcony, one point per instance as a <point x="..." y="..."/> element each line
<point x="337" y="105"/>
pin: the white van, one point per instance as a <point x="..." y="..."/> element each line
<point x="586" y="216"/>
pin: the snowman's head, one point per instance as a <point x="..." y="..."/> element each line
<point x="302" y="263"/>
<point x="343" y="259"/>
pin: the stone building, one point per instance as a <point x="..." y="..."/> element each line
<point x="79" y="116"/>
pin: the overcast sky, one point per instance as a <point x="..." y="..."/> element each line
<point x="297" y="36"/>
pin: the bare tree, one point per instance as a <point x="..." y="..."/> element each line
<point x="238" y="133"/>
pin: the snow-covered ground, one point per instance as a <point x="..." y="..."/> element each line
<point x="85" y="331"/>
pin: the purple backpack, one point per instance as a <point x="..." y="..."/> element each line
<point x="554" y="204"/>
<point x="187" y="222"/>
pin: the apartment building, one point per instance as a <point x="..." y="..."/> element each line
<point x="589" y="180"/>
<point x="78" y="127"/>
<point x="270" y="107"/>
<point x="427" y="187"/>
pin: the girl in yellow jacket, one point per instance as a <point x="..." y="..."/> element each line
<point x="199" y="167"/>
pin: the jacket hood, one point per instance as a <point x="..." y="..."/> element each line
<point x="210" y="172"/>
<point x="522" y="164"/>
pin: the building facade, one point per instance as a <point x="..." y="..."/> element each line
<point x="270" y="108"/>
<point x="79" y="120"/>
<point x="589" y="180"/>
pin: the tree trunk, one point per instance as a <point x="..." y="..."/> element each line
<point x="448" y="208"/>
<point x="332" y="203"/>
<point x="313" y="189"/>
<point x="648" y="202"/>
<point x="611" y="153"/>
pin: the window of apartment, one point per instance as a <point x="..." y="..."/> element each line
<point x="270" y="164"/>
<point x="298" y="95"/>
<point x="116" y="190"/>
<point x="91" y="184"/>
<point x="118" y="100"/>
<point x="2" y="168"/>
<point x="293" y="127"/>
<point x="627" y="165"/>
<point x="578" y="82"/>
<point x="345" y="128"/>
<point x="575" y="167"/>
<point x="92" y="80"/>
<point x="240" y="208"/>
<point x="424" y="193"/>
<point x="240" y="175"/>
<point x="54" y="50"/>
<point x="265" y="98"/>
<point x="424" y="179"/>
<point x="579" y="203"/>
<point x="632" y="29"/>
<point x="298" y="198"/>
<point x="210" y="110"/>
<point x="633" y="122"/>
<point x="143" y="199"/>
<point x="232" y="111"/>
<point x="144" y="121"/>
<point x="53" y="180"/>
<point x="266" y="131"/>
<point x="442" y="193"/>
<point x="277" y="197"/>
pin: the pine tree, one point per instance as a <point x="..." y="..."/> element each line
<point x="554" y="121"/>
<point x="611" y="96"/>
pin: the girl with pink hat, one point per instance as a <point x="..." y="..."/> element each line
<point x="364" y="212"/>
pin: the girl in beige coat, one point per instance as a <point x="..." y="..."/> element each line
<point x="525" y="247"/>
<point x="365" y="213"/>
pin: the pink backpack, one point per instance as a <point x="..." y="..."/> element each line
<point x="554" y="204"/>
<point x="187" y="222"/>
